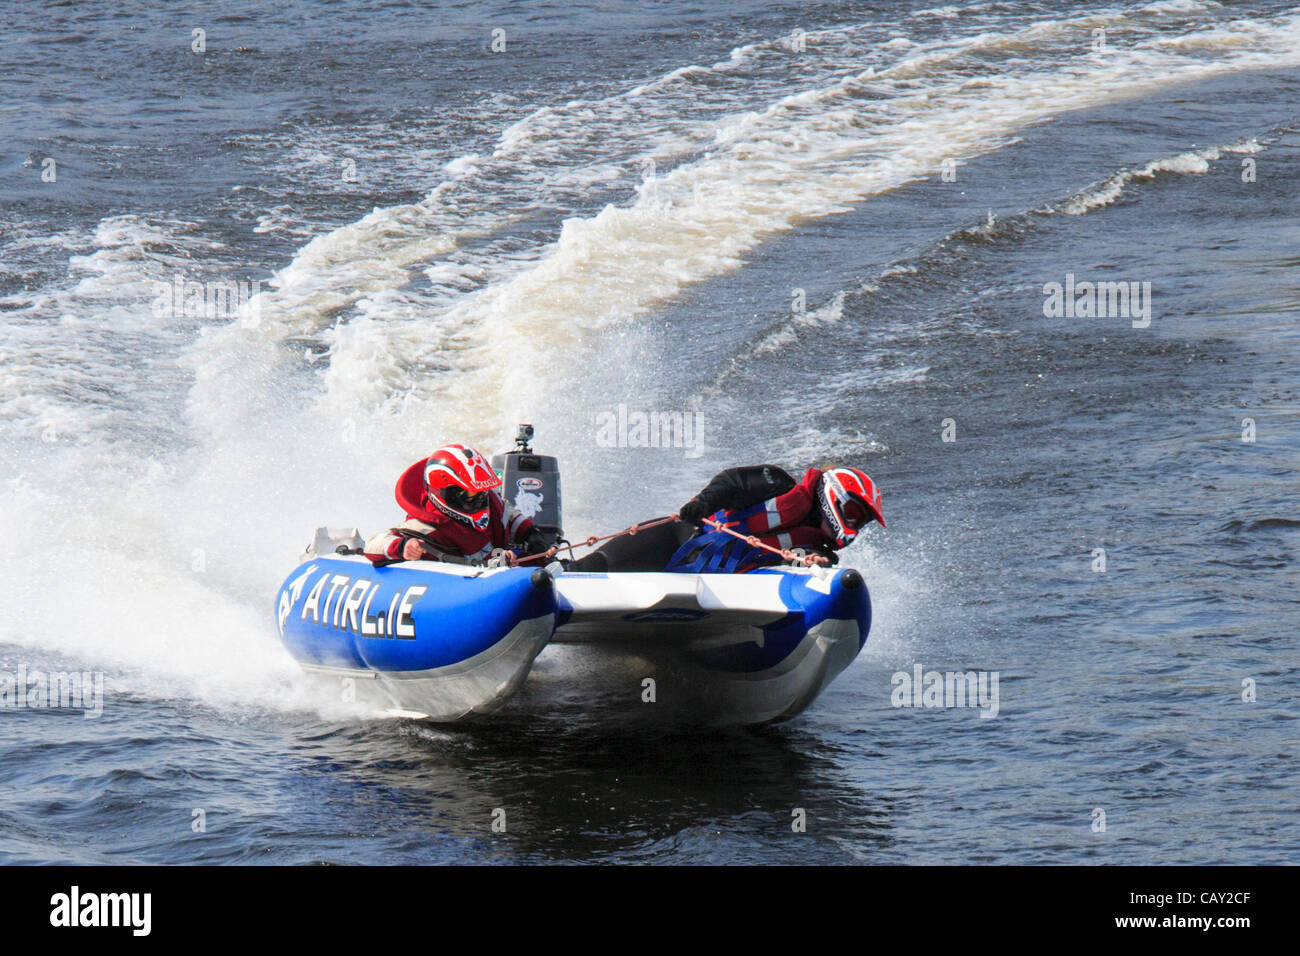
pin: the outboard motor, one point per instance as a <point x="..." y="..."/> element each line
<point x="531" y="483"/>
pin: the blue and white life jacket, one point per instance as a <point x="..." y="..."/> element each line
<point x="716" y="552"/>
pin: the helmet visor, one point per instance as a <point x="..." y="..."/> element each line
<point x="855" y="513"/>
<point x="463" y="501"/>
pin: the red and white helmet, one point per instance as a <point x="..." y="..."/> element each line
<point x="848" y="499"/>
<point x="458" y="480"/>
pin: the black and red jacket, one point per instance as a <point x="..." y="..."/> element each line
<point x="759" y="500"/>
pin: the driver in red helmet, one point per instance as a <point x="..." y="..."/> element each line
<point x="453" y="513"/>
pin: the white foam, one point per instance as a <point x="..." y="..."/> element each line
<point x="1248" y="145"/>
<point x="1192" y="162"/>
<point x="1179" y="6"/>
<point x="898" y="269"/>
<point x="787" y="333"/>
<point x="943" y="13"/>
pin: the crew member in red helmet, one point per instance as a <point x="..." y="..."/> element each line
<point x="819" y="515"/>
<point x="453" y="513"/>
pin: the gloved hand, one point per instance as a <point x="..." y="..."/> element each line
<point x="694" y="512"/>
<point x="535" y="543"/>
<point x="500" y="558"/>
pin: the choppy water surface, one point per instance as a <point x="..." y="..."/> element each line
<point x="618" y="208"/>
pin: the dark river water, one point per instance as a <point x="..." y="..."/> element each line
<point x="832" y="231"/>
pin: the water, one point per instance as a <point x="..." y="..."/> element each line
<point x="618" y="209"/>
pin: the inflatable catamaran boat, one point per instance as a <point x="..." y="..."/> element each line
<point x="446" y="641"/>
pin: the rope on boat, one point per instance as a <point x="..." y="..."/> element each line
<point x="807" y="560"/>
<point x="786" y="554"/>
<point x="591" y="542"/>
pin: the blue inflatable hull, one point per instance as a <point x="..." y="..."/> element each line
<point x="444" y="641"/>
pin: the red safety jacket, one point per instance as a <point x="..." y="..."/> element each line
<point x="788" y="520"/>
<point x="506" y="526"/>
